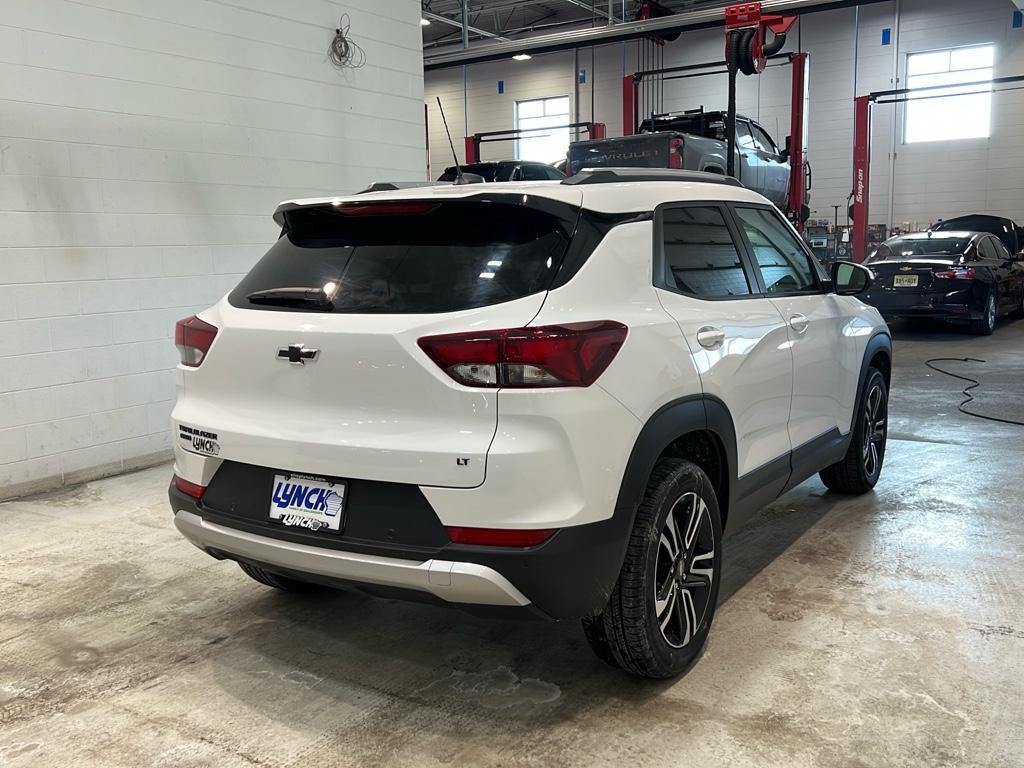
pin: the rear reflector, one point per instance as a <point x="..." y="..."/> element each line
<point x="957" y="273"/>
<point x="571" y="355"/>
<point x="193" y="338"/>
<point x="499" y="537"/>
<point x="189" y="489"/>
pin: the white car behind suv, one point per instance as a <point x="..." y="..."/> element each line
<point x="549" y="398"/>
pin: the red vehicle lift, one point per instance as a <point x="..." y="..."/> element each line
<point x="594" y="131"/>
<point x="748" y="52"/>
<point x="862" y="107"/>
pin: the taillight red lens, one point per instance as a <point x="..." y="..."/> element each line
<point x="194" y="490"/>
<point x="193" y="338"/>
<point x="499" y="537"/>
<point x="957" y="273"/>
<point x="675" y="154"/>
<point x="571" y="355"/>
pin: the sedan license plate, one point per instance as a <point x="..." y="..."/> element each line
<point x="309" y="502"/>
<point x="904" y="281"/>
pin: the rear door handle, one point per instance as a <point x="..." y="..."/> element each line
<point x="799" y="323"/>
<point x="710" y="337"/>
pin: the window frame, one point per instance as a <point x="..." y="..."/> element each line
<point x="909" y="98"/>
<point x="816" y="269"/>
<point x="659" y="262"/>
<point x="770" y="148"/>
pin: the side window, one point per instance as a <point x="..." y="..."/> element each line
<point x="987" y="248"/>
<point x="554" y="174"/>
<point x="784" y="264"/>
<point x="743" y="135"/>
<point x="700" y="256"/>
<point x="763" y="140"/>
<point x="533" y="173"/>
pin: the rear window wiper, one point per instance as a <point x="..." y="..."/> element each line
<point x="296" y="295"/>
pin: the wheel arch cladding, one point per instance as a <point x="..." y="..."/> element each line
<point x="877" y="354"/>
<point x="697" y="428"/>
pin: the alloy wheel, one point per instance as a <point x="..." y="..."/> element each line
<point x="684" y="569"/>
<point x="990" y="311"/>
<point x="875" y="427"/>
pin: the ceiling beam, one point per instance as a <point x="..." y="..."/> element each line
<point x="613" y="33"/>
<point x="456" y="23"/>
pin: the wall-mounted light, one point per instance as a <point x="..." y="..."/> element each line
<point x="424" y="22"/>
<point x="522" y="57"/>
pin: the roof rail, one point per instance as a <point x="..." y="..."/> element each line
<point x="611" y="175"/>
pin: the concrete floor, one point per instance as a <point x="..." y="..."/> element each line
<point x="886" y="630"/>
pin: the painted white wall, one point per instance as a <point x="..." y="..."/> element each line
<point x="931" y="180"/>
<point x="143" y="147"/>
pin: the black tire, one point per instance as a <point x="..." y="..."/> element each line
<point x="987" y="324"/>
<point x="654" y="636"/>
<point x="276" y="580"/>
<point x="860" y="468"/>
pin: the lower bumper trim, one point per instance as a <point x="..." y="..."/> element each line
<point x="454" y="582"/>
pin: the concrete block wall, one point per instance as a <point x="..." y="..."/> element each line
<point x="143" y="147"/>
<point x="935" y="180"/>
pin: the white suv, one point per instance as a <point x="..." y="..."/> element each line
<point x="549" y="398"/>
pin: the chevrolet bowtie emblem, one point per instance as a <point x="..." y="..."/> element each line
<point x="296" y="354"/>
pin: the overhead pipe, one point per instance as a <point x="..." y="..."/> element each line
<point x="707" y="18"/>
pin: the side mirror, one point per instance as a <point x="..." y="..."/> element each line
<point x="850" y="279"/>
<point x="784" y="155"/>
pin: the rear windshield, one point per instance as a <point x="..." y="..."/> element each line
<point x="402" y="258"/>
<point x="489" y="172"/>
<point x="902" y="249"/>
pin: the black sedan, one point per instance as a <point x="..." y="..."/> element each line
<point x="965" y="277"/>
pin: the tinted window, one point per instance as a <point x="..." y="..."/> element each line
<point x="902" y="248"/>
<point x="534" y="173"/>
<point x="987" y="249"/>
<point x="785" y="266"/>
<point x="700" y="256"/>
<point x="440" y="257"/>
<point x="763" y="141"/>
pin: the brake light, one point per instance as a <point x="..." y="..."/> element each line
<point x="570" y="355"/>
<point x="194" y="490"/>
<point x="400" y="208"/>
<point x="957" y="273"/>
<point x="675" y="153"/>
<point x="193" y="338"/>
<point x="499" y="537"/>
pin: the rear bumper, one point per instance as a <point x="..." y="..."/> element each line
<point x="453" y="582"/>
<point x="959" y="305"/>
<point x="569" y="576"/>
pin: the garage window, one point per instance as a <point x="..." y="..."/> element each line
<point x="961" y="111"/>
<point x="543" y="146"/>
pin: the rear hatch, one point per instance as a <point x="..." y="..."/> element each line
<point x="316" y="366"/>
<point x="645" y="150"/>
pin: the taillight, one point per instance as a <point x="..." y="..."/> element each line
<point x="957" y="273"/>
<point x="193" y="338"/>
<point x="570" y="355"/>
<point x="675" y="153"/>
<point x="194" y="490"/>
<point x="499" y="537"/>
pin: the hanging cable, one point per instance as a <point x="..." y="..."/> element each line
<point x="973" y="383"/>
<point x="343" y="51"/>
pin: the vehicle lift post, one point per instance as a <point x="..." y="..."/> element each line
<point x="862" y="109"/>
<point x="472" y="143"/>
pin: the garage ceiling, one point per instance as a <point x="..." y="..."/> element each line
<point x="492" y="20"/>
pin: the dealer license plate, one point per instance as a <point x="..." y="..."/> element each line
<point x="904" y="281"/>
<point x="309" y="502"/>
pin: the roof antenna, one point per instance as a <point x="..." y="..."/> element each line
<point x="458" y="168"/>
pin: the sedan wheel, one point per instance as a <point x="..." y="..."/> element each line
<point x="987" y="323"/>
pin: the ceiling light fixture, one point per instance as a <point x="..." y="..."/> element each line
<point x="522" y="57"/>
<point x="424" y="22"/>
